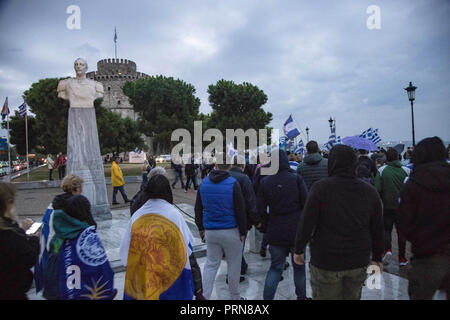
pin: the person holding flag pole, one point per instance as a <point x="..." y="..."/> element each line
<point x="5" y="113"/>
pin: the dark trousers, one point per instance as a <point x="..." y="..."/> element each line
<point x="50" y="174"/>
<point x="61" y="172"/>
<point x="191" y="179"/>
<point x="244" y="264"/>
<point x="278" y="255"/>
<point x="122" y="192"/>
<point x="427" y="275"/>
<point x="391" y="218"/>
<point x="337" y="285"/>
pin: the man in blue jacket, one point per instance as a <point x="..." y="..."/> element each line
<point x="285" y="194"/>
<point x="220" y="216"/>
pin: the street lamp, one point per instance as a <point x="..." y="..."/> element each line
<point x="411" y="90"/>
<point x="307" y="134"/>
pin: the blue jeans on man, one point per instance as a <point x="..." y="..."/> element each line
<point x="122" y="192"/>
<point x="178" y="175"/>
<point x="278" y="256"/>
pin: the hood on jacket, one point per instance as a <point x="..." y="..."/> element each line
<point x="313" y="158"/>
<point x="60" y="201"/>
<point x="218" y="176"/>
<point x="283" y="161"/>
<point x="434" y="176"/>
<point x="342" y="162"/>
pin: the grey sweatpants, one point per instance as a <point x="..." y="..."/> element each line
<point x="218" y="242"/>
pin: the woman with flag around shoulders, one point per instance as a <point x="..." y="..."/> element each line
<point x="156" y="248"/>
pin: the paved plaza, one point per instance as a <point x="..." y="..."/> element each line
<point x="33" y="203"/>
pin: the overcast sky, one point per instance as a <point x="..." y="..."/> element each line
<point x="313" y="59"/>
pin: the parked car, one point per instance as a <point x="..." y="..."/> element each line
<point x="163" y="158"/>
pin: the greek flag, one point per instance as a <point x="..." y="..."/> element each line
<point x="300" y="148"/>
<point x="332" y="139"/>
<point x="115" y="35"/>
<point x="290" y="130"/>
<point x="282" y="144"/>
<point x="364" y="134"/>
<point x="23" y="109"/>
<point x="375" y="137"/>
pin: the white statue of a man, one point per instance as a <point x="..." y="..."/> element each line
<point x="80" y="92"/>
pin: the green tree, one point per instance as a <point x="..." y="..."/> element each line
<point x="163" y="104"/>
<point x="237" y="106"/>
<point x="17" y="133"/>
<point x="115" y="133"/>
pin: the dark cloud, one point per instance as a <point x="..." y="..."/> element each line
<point x="312" y="59"/>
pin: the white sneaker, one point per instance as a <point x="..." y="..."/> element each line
<point x="387" y="257"/>
<point x="185" y="191"/>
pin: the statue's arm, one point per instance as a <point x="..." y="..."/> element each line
<point x="62" y="89"/>
<point x="98" y="89"/>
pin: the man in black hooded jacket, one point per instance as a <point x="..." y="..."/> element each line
<point x="424" y="212"/>
<point x="343" y="222"/>
<point x="285" y="194"/>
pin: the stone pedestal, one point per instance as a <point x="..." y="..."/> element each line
<point x="84" y="159"/>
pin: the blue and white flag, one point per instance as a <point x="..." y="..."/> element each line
<point x="363" y="134"/>
<point x="115" y="35"/>
<point x="332" y="139"/>
<point x="231" y="152"/>
<point x="155" y="250"/>
<point x="300" y="148"/>
<point x="375" y="137"/>
<point x="23" y="109"/>
<point x="47" y="233"/>
<point x="289" y="128"/>
<point x="84" y="269"/>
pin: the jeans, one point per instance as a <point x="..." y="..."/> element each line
<point x="189" y="181"/>
<point x="178" y="176"/>
<point x="390" y="217"/>
<point x="122" y="192"/>
<point x="61" y="172"/>
<point x="337" y="285"/>
<point x="427" y="275"/>
<point x="278" y="256"/>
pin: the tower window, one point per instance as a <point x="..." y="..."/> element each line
<point x="118" y="102"/>
<point x="109" y="88"/>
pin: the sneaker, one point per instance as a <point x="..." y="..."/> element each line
<point x="387" y="257"/>
<point x="127" y="201"/>
<point x="185" y="191"/>
<point x="116" y="203"/>
<point x="403" y="262"/>
<point x="262" y="252"/>
<point x="241" y="279"/>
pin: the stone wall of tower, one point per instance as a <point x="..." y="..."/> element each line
<point x="113" y="74"/>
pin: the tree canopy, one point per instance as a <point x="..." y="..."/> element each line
<point x="17" y="133"/>
<point x="163" y="104"/>
<point x="237" y="106"/>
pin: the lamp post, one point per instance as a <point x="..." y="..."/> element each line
<point x="411" y="90"/>
<point x="307" y="134"/>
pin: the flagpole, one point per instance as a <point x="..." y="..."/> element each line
<point x="26" y="139"/>
<point x="9" y="150"/>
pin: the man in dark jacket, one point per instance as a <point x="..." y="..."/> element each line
<point x="425" y="219"/>
<point x="178" y="169"/>
<point x="366" y="168"/>
<point x="190" y="170"/>
<point x="313" y="167"/>
<point x="344" y="224"/>
<point x="221" y="219"/>
<point x="236" y="171"/>
<point x="285" y="194"/>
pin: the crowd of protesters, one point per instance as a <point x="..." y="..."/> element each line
<point x="343" y="205"/>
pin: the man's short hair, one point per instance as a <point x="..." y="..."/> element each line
<point x="71" y="183"/>
<point x="391" y="154"/>
<point x="312" y="147"/>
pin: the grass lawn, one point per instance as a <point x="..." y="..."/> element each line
<point x="128" y="169"/>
